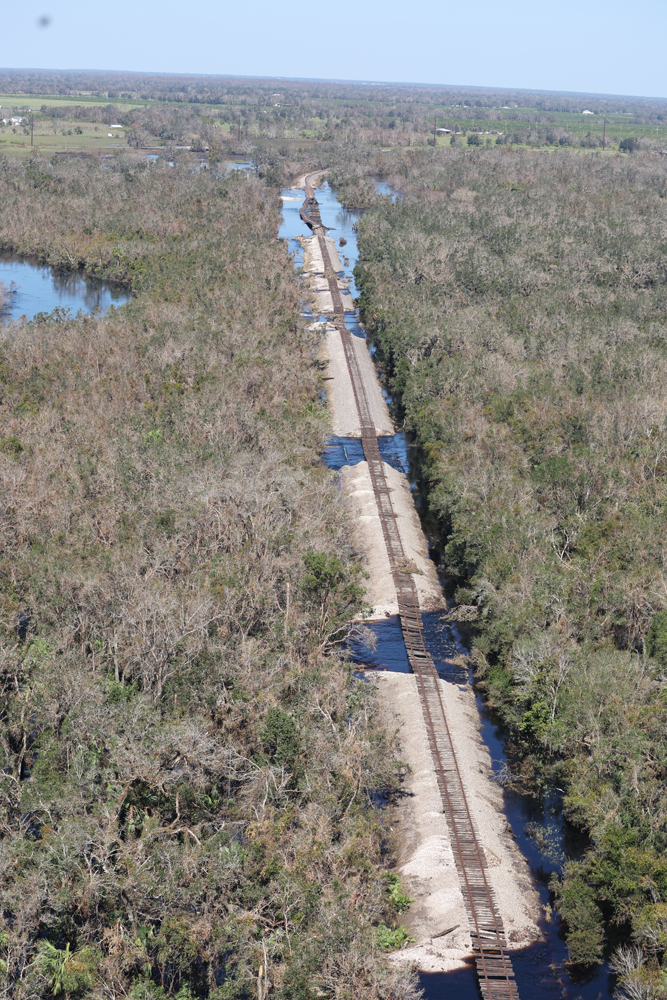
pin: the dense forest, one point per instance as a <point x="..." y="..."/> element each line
<point x="187" y="762"/>
<point x="518" y="303"/>
<point x="189" y="766"/>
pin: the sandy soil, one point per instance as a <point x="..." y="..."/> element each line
<point x="340" y="397"/>
<point x="367" y="534"/>
<point x="338" y="387"/>
<point x="437" y="918"/>
<point x="300" y="182"/>
<point x="313" y="265"/>
<point x="369" y="543"/>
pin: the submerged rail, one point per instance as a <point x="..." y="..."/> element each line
<point x="494" y="967"/>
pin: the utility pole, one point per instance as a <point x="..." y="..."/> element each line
<point x="435" y="122"/>
<point x="32" y="129"/>
<point x="239" y="132"/>
<point x="604" y="133"/>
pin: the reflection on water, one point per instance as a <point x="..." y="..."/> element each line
<point x="338" y="220"/>
<point x="386" y="649"/>
<point x="458" y="985"/>
<point x="342" y="451"/>
<point x="381" y="187"/>
<point x="41" y="289"/>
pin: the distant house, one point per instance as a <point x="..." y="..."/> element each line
<point x="447" y="131"/>
<point x="588" y="112"/>
<point x="16" y="120"/>
<point x="115" y="126"/>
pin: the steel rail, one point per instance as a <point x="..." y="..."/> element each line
<point x="494" y="966"/>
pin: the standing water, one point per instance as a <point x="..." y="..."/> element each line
<point x="538" y="825"/>
<point x="41" y="289"/>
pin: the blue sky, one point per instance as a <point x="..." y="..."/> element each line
<point x="592" y="46"/>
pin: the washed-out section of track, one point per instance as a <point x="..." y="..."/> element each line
<point x="494" y="967"/>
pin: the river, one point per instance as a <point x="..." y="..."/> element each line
<point x="544" y="836"/>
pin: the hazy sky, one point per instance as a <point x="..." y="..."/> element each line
<point x="601" y="46"/>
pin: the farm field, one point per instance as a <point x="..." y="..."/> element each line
<point x="47" y="140"/>
<point x="226" y="112"/>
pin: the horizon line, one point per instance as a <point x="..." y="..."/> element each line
<point x="309" y="79"/>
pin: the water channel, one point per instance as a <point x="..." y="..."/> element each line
<point x="537" y="824"/>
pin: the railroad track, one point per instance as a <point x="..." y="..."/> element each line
<point x="494" y="967"/>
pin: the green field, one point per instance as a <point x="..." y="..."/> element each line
<point x="49" y="138"/>
<point x="35" y="101"/>
<point x="313" y="117"/>
<point x="619" y="126"/>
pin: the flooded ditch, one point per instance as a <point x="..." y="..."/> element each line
<point x="537" y="825"/>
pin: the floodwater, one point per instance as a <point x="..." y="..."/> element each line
<point x="342" y="451"/>
<point x="41" y="289"/>
<point x="340" y="223"/>
<point x="542" y="833"/>
<point x="381" y="187"/>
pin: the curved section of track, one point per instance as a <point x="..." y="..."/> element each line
<point x="494" y="967"/>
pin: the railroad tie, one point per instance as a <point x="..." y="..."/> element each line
<point x="493" y="964"/>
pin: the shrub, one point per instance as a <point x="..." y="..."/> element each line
<point x="11" y="446"/>
<point x="656" y="640"/>
<point x="391" y="940"/>
<point x="400" y="899"/>
<point x="280" y="738"/>
<point x="65" y="971"/>
<point x="583" y="920"/>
